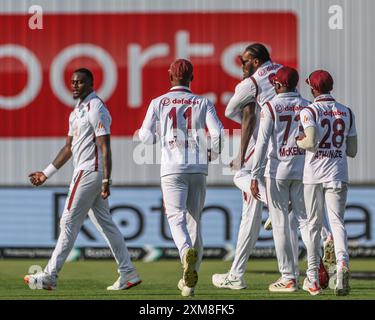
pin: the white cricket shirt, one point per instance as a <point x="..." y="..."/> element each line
<point x="334" y="122"/>
<point x="279" y="126"/>
<point x="183" y="118"/>
<point x="257" y="88"/>
<point x="89" y="119"/>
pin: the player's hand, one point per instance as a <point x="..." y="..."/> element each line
<point x="301" y="136"/>
<point x="37" y="178"/>
<point x="236" y="164"/>
<point x="254" y="189"/>
<point x="105" y="190"/>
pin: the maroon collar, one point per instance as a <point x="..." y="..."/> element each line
<point x="325" y="99"/>
<point x="180" y="89"/>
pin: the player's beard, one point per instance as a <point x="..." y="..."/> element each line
<point x="249" y="72"/>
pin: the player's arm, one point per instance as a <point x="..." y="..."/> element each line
<point x="249" y="119"/>
<point x="39" y="177"/>
<point x="216" y="131"/>
<point x="247" y="128"/>
<point x="245" y="93"/>
<point x="264" y="134"/>
<point x="147" y="133"/>
<point x="104" y="145"/>
<point x="351" y="146"/>
<point x="308" y="140"/>
<point x="351" y="140"/>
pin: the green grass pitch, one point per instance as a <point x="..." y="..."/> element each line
<point x="89" y="279"/>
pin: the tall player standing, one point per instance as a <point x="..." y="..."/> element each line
<point x="244" y="108"/>
<point x="183" y="117"/>
<point x="88" y="142"/>
<point x="330" y="136"/>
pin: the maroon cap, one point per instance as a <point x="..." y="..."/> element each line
<point x="181" y="69"/>
<point x="287" y="77"/>
<point x="321" y="81"/>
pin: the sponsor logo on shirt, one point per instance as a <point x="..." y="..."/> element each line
<point x="332" y="113"/>
<point x="262" y="72"/>
<point x="165" y="102"/>
<point x="280" y="108"/>
<point x="185" y="101"/>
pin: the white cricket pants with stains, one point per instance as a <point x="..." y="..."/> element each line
<point x="85" y="194"/>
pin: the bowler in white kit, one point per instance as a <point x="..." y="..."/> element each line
<point x="88" y="142"/>
<point x="244" y="107"/>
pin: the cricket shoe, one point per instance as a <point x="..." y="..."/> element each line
<point x="126" y="280"/>
<point x="41" y="280"/>
<point x="342" y="282"/>
<point x="312" y="287"/>
<point x="323" y="276"/>
<point x="332" y="278"/>
<point x="268" y="224"/>
<point x="329" y="258"/>
<point x="190" y="275"/>
<point x="228" y="281"/>
<point x="283" y="286"/>
<point x="185" y="290"/>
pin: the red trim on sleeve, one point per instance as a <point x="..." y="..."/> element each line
<point x="271" y="111"/>
<point x="248" y="157"/>
<point x="312" y="112"/>
<point x="256" y="86"/>
<point x="71" y="198"/>
<point x="96" y="155"/>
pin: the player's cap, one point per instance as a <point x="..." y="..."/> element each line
<point x="286" y="76"/>
<point x="181" y="69"/>
<point x="321" y="81"/>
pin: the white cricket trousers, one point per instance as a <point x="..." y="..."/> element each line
<point x="280" y="195"/>
<point x="85" y="194"/>
<point x="184" y="196"/>
<point x="334" y="198"/>
<point x="294" y="226"/>
<point x="251" y="221"/>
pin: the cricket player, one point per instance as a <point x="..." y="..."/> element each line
<point x="244" y="107"/>
<point x="279" y="128"/>
<point x="329" y="137"/>
<point x="88" y="142"/>
<point x="183" y="117"/>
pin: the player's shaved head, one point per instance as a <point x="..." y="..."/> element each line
<point x="87" y="73"/>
